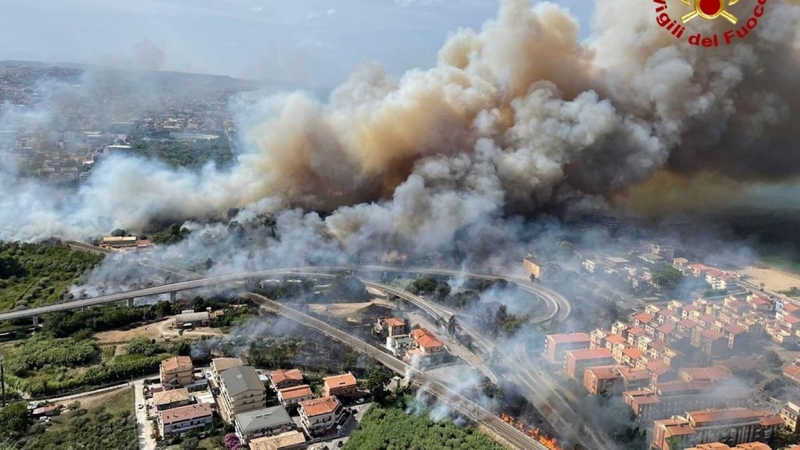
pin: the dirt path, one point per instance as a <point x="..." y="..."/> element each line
<point x="160" y="331"/>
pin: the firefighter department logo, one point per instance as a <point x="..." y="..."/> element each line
<point x="709" y="10"/>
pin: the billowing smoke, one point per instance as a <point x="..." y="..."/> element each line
<point x="516" y="117"/>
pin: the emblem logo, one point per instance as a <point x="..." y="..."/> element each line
<point x="710" y="10"/>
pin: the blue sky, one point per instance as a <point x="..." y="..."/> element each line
<point x="313" y="42"/>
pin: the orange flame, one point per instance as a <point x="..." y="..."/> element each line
<point x="547" y="441"/>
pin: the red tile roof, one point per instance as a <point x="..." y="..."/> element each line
<point x="177" y="363"/>
<point x="183" y="413"/>
<point x="603" y="372"/>
<point x="687" y="323"/>
<point x="666" y="328"/>
<point x="712" y="335"/>
<point x="666" y="312"/>
<point x="279" y="376"/>
<point x="643" y="317"/>
<point x="791" y="319"/>
<point x="735" y="329"/>
<point x="319" y="406"/>
<point x="658" y="367"/>
<point x="615" y="339"/>
<point x="792" y="372"/>
<point x="429" y="341"/>
<point x="636" y="331"/>
<point x="633" y="353"/>
<point x="392" y="322"/>
<point x="712" y="373"/>
<point x="296" y="392"/>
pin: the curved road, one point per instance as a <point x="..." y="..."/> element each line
<point x="558" y="306"/>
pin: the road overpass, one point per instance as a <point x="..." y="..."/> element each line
<point x="558" y="306"/>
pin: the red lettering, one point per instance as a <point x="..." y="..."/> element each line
<point x="728" y="36"/>
<point x="754" y="22"/>
<point x="758" y="11"/>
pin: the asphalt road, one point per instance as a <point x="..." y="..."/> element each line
<point x="558" y="306"/>
<point x="460" y="403"/>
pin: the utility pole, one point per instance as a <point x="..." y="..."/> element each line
<point x="3" y="378"/>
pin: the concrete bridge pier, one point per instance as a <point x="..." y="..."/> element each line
<point x="35" y="322"/>
<point x="130" y="303"/>
<point x="173" y="296"/>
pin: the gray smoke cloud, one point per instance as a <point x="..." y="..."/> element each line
<point x="517" y="116"/>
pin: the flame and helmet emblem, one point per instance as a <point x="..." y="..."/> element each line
<point x="710" y="9"/>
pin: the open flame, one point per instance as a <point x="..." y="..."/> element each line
<point x="547" y="441"/>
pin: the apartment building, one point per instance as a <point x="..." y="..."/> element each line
<point x="576" y="361"/>
<point x="292" y="396"/>
<point x="320" y="414"/>
<point x="171" y="399"/>
<point x="667" y="399"/>
<point x="176" y="372"/>
<point x="263" y="422"/>
<point x="557" y="345"/>
<point x="721" y="446"/>
<point x="219" y="365"/>
<point x="176" y="421"/>
<point x="241" y="390"/>
<point x="290" y="440"/>
<point x="340" y="385"/>
<point x="732" y="426"/>
<point x="790" y="413"/>
<point x="282" y="379"/>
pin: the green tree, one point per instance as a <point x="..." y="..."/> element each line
<point x="668" y="277"/>
<point x="442" y="291"/>
<point x="676" y="443"/>
<point x="14" y="420"/>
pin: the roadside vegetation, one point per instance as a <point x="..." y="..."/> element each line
<point x="44" y="365"/>
<point x="390" y="427"/>
<point x="111" y="425"/>
<point x="39" y="274"/>
<point x="188" y="154"/>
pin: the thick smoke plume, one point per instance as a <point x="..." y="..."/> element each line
<point x="515" y="118"/>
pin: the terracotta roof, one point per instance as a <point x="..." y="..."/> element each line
<point x="724" y="415"/>
<point x="340" y="381"/>
<point x="615" y="339"/>
<point x="597" y="353"/>
<point x="771" y="419"/>
<point x="419" y="332"/>
<point x="319" y="406"/>
<point x="633" y="353"/>
<point x="675" y="427"/>
<point x="753" y="446"/>
<point x="603" y="372"/>
<point x="569" y="338"/>
<point x="735" y="329"/>
<point x="712" y="335"/>
<point x="658" y="346"/>
<point x="792" y="372"/>
<point x="658" y="367"/>
<point x="633" y="374"/>
<point x="666" y="312"/>
<point x="429" y="341"/>
<point x="758" y="301"/>
<point x="791" y="319"/>
<point x="177" y="364"/>
<point x="712" y="373"/>
<point x="666" y="328"/>
<point x="183" y="413"/>
<point x="708" y="318"/>
<point x="636" y="331"/>
<point x="288" y="439"/>
<point x="699" y="267"/>
<point x="791" y="307"/>
<point x="393" y="322"/>
<point x="643" y="317"/>
<point x="714" y="273"/>
<point x="642" y="397"/>
<point x="171" y="396"/>
<point x="222" y="364"/>
<point x="296" y="392"/>
<point x="279" y="376"/>
<point x="687" y="323"/>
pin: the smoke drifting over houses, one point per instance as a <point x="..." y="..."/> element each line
<point x="516" y="117"/>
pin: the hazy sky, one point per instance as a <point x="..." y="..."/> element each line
<point x="315" y="42"/>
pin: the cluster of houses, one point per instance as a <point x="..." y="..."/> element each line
<point x="641" y="361"/>
<point x="238" y="394"/>
<point x="417" y="345"/>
